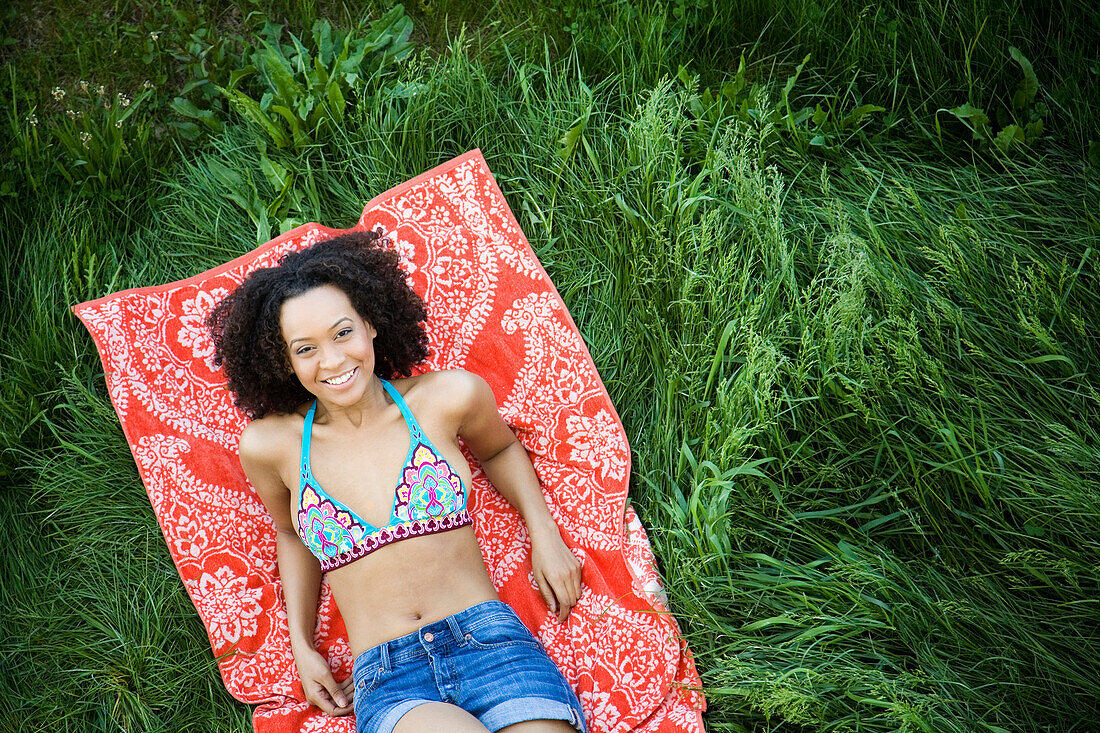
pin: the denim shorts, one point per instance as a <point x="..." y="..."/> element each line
<point x="483" y="659"/>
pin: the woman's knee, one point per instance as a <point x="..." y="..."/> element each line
<point x="434" y="717"/>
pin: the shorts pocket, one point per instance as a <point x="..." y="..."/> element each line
<point x="502" y="632"/>
<point x="366" y="682"/>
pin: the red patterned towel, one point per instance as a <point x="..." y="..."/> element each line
<point x="493" y="311"/>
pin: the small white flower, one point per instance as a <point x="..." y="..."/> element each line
<point x="58" y="93"/>
<point x="33" y="119"/>
<point x="71" y="114"/>
<point x="101" y="90"/>
<point x="146" y="84"/>
<point x="118" y="124"/>
<point x="155" y="35"/>
<point x="124" y="101"/>
<point x="107" y="104"/>
<point x="85" y="137"/>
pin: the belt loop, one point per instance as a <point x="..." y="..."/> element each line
<point x="385" y="651"/>
<point x="456" y="631"/>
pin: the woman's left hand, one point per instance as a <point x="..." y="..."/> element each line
<point x="557" y="572"/>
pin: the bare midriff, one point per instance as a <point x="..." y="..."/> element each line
<point x="403" y="586"/>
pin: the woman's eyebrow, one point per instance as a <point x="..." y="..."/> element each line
<point x="304" y="338"/>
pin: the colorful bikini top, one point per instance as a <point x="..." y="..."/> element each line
<point x="430" y="498"/>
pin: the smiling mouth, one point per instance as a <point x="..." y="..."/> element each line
<point x="340" y="378"/>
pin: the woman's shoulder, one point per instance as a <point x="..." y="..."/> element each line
<point x="450" y="391"/>
<point x="441" y="384"/>
<point x="270" y="437"/>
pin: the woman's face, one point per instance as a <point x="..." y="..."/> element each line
<point x="330" y="346"/>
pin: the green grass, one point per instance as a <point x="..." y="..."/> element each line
<point x="860" y="383"/>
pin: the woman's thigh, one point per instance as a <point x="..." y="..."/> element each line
<point x="436" y="717"/>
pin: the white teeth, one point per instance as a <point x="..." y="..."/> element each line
<point x="340" y="379"/>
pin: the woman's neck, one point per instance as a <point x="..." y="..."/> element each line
<point x="365" y="409"/>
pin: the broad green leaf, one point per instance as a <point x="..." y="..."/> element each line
<point x="194" y="84"/>
<point x="1029" y="85"/>
<point x="820" y="115"/>
<point x="1011" y="136"/>
<point x="187" y="109"/>
<point x="336" y="102"/>
<point x="797" y="118"/>
<point x="732" y="89"/>
<point x="247" y="107"/>
<point x="238" y="75"/>
<point x="277" y="175"/>
<point x="304" y="106"/>
<point x="233" y="185"/>
<point x="322" y="36"/>
<point x="263" y="226"/>
<point x="302" y="55"/>
<point x="572" y="136"/>
<point x="685" y="77"/>
<point x="271" y="32"/>
<point x="389" y="35"/>
<point x="320" y="76"/>
<point x="293" y="122"/>
<point x="188" y="130"/>
<point x="279" y="75"/>
<point x="854" y="117"/>
<point x="974" y="118"/>
<point x="971" y="113"/>
<point x="791" y="81"/>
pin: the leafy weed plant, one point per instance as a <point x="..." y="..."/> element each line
<point x="306" y="92"/>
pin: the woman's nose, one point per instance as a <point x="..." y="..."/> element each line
<point x="330" y="356"/>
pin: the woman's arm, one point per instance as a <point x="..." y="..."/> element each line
<point x="298" y="569"/>
<point x="506" y="464"/>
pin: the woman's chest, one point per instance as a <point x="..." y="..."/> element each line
<point x="386" y="475"/>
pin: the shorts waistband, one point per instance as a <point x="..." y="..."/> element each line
<point x="448" y="632"/>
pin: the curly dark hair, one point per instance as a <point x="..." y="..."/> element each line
<point x="245" y="324"/>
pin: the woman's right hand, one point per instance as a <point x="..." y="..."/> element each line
<point x="320" y="687"/>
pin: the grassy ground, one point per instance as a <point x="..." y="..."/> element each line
<point x="855" y="352"/>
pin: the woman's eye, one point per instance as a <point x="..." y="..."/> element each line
<point x="304" y="350"/>
<point x="343" y="332"/>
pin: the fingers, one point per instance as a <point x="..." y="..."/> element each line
<point x="334" y="698"/>
<point x="567" y="597"/>
<point x="316" y="694"/>
<point x="547" y="595"/>
<point x="342" y="696"/>
<point x="561" y="589"/>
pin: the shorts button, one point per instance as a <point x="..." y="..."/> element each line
<point x="429" y="637"/>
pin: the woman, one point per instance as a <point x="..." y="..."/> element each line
<point x="365" y="480"/>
